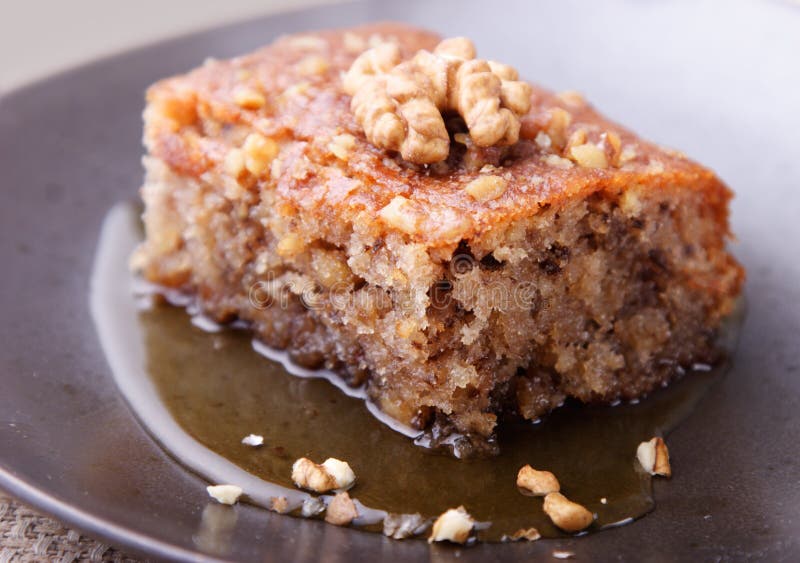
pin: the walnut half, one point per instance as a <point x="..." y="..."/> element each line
<point x="400" y="104"/>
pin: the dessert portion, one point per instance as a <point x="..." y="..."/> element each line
<point x="465" y="245"/>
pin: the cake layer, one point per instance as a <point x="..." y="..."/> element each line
<point x="579" y="262"/>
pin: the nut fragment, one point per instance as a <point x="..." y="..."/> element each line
<point x="571" y="98"/>
<point x="530" y="534"/>
<point x="628" y="154"/>
<point x="312" y="65"/>
<point x="578" y="137"/>
<point x="539" y="483"/>
<point x="254" y="440"/>
<point x="653" y="455"/>
<point x="312" y="506"/>
<point x="332" y="474"/>
<point x="614" y="144"/>
<point x="400" y="214"/>
<point x="342" y="145"/>
<point x="557" y="162"/>
<point x="341" y="510"/>
<point x="224" y="494"/>
<point x="280" y="505"/>
<point x="454" y="525"/>
<point x="557" y="126"/>
<point x="567" y="515"/>
<point x="486" y="188"/>
<point x="248" y="98"/>
<point x="400" y="104"/>
<point x="259" y="151"/>
<point x="234" y="163"/>
<point x="402" y="526"/>
<point x="290" y="245"/>
<point x="559" y="554"/>
<point x="543" y="140"/>
<point x="588" y="155"/>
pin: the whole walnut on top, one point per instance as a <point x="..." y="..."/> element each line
<point x="400" y="103"/>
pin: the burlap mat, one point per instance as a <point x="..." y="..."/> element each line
<point x="26" y="536"/>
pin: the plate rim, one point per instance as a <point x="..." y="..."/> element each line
<point x="123" y="536"/>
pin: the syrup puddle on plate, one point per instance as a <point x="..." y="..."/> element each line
<point x="200" y="392"/>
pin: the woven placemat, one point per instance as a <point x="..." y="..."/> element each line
<point x="26" y="535"/>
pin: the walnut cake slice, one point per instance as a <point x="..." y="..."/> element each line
<point x="464" y="244"/>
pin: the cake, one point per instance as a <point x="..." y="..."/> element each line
<point x="461" y="278"/>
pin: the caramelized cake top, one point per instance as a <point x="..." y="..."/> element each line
<point x="322" y="165"/>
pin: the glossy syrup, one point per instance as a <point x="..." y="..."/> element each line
<point x="200" y="392"/>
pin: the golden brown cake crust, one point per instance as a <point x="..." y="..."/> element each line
<point x="303" y="103"/>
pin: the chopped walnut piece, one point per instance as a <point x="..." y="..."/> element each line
<point x="248" y="98"/>
<point x="653" y="456"/>
<point x="279" y="505"/>
<point x="614" y="144"/>
<point x="557" y="162"/>
<point x="330" y="269"/>
<point x="341" y="472"/>
<point x="332" y="474"/>
<point x="290" y="245"/>
<point x="259" y="151"/>
<point x="589" y="155"/>
<point x="312" y="65"/>
<point x="557" y="126"/>
<point x="627" y="154"/>
<point x="224" y="494"/>
<point x="567" y="515"/>
<point x="543" y="140"/>
<point x="572" y="98"/>
<point x="655" y="167"/>
<point x="295" y="91"/>
<point x="578" y="137"/>
<point x="234" y="163"/>
<point x="341" y="510"/>
<point x="275" y="168"/>
<point x="342" y="145"/>
<point x="538" y="483"/>
<point x="529" y="534"/>
<point x="486" y="188"/>
<point x="254" y="440"/>
<point x="399" y="213"/>
<point x="400" y="104"/>
<point x="559" y="554"/>
<point x="454" y="525"/>
<point x="312" y="506"/>
<point x="402" y="526"/>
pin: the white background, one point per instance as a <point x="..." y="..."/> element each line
<point x="38" y="37"/>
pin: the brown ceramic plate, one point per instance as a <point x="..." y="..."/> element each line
<point x="720" y="81"/>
